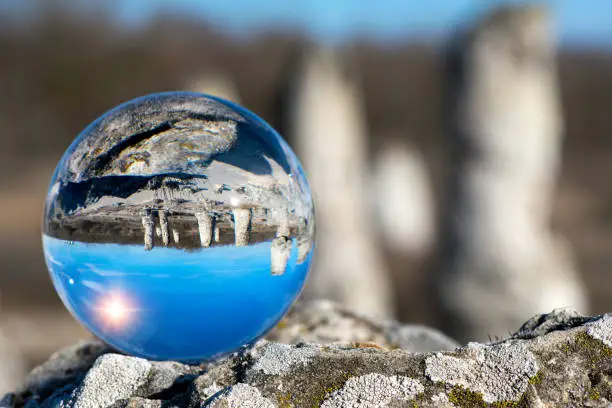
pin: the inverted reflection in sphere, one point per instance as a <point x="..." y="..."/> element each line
<point x="178" y="226"/>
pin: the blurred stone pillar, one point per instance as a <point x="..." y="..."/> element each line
<point x="326" y="121"/>
<point x="502" y="263"/>
<point x="12" y="364"/>
<point x="215" y="84"/>
<point x="402" y="195"/>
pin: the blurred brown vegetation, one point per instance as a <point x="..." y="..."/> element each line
<point x="58" y="73"/>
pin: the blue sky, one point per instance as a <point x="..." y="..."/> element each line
<point x="160" y="293"/>
<point x="578" y="22"/>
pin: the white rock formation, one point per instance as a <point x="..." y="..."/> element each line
<point x="149" y="229"/>
<point x="205" y="228"/>
<point x="12" y="364"/>
<point x="326" y="121"/>
<point x="280" y="253"/>
<point x="503" y="262"/>
<point x="163" y="225"/>
<point x="403" y="198"/>
<point x="215" y="84"/>
<point x="242" y="225"/>
<point x="281" y="246"/>
<point x="217" y="233"/>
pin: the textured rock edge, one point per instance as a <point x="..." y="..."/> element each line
<point x="560" y="359"/>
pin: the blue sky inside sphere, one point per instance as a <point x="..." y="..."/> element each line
<point x="173" y="304"/>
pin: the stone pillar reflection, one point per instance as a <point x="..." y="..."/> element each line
<point x="281" y="245"/>
<point x="242" y="225"/>
<point x="279" y="254"/>
<point x="305" y="238"/>
<point x="163" y="225"/>
<point x="283" y="225"/>
<point x="149" y="227"/>
<point x="205" y="228"/>
<point x="217" y="233"/>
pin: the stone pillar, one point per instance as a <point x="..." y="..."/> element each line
<point x="163" y="225"/>
<point x="283" y="225"/>
<point x="279" y="254"/>
<point x="216" y="84"/>
<point x="281" y="245"/>
<point x="175" y="236"/>
<point x="403" y="198"/>
<point x="149" y="228"/>
<point x="502" y="262"/>
<point x="325" y="119"/>
<point x="217" y="233"/>
<point x="205" y="228"/>
<point x="242" y="225"/>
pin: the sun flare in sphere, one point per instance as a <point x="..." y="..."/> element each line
<point x="115" y="310"/>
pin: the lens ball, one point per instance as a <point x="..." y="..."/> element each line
<point x="178" y="226"/>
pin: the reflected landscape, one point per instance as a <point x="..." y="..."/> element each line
<point x="178" y="226"/>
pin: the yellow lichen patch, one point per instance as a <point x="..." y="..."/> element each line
<point x="462" y="397"/>
<point x="594" y="394"/>
<point x="594" y="349"/>
<point x="565" y="348"/>
<point x="284" y="400"/>
<point x="505" y="404"/>
<point x="282" y="324"/>
<point x="326" y="390"/>
<point x="536" y="379"/>
<point x="366" y="344"/>
<point x="465" y="398"/>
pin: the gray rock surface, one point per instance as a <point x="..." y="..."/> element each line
<point x="558" y="359"/>
<point x="239" y="396"/>
<point x="326" y="322"/>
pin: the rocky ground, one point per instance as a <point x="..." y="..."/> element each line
<point x="338" y="359"/>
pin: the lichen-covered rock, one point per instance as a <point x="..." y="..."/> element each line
<point x="239" y="396"/>
<point x="137" y="402"/>
<point x="61" y="369"/>
<point x="500" y="372"/>
<point x="558" y="319"/>
<point x="559" y="359"/>
<point x="374" y="390"/>
<point x="112" y="378"/>
<point x="326" y="322"/>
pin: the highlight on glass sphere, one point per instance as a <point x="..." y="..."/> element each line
<point x="178" y="226"/>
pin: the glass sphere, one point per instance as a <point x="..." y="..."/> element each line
<point x="178" y="226"/>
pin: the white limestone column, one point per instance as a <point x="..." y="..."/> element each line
<point x="205" y="228"/>
<point x="149" y="227"/>
<point x="503" y="263"/>
<point x="242" y="225"/>
<point x="327" y="121"/>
